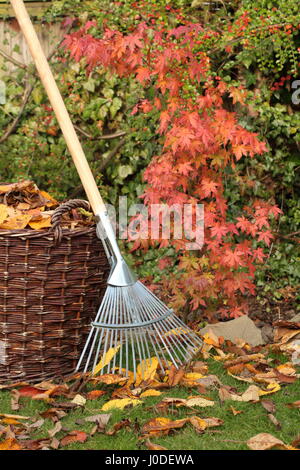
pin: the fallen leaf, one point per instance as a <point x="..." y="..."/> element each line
<point x="265" y="441"/>
<point x="200" y="366"/>
<point x="5" y="415"/>
<point x="124" y="423"/>
<point x="123" y="392"/>
<point x="120" y="403"/>
<point x="29" y="391"/>
<point x="210" y="381"/>
<point x="44" y="222"/>
<point x="105" y="360"/>
<point x="211" y="339"/>
<point x="269" y="405"/>
<point x="146" y="370"/>
<point x="3" y="213"/>
<point x="151" y="446"/>
<point x="295" y="404"/>
<point x="161" y="426"/>
<point x="57" y="428"/>
<point x="150" y="393"/>
<point x="73" y="436"/>
<point x="198" y="424"/>
<point x="275" y="421"/>
<point x="175" y="375"/>
<point x="53" y="413"/>
<point x="79" y="400"/>
<point x="94" y="394"/>
<point x="235" y="412"/>
<point x="110" y="379"/>
<point x="271" y="388"/>
<point x="10" y="444"/>
<point x="251" y="394"/>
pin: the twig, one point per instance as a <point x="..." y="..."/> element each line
<point x="15" y="122"/>
<point x="28" y="91"/>
<point x="101" y="137"/>
<point x="12" y="60"/>
<point x="112" y="154"/>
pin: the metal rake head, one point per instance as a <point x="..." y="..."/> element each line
<point x="135" y="322"/>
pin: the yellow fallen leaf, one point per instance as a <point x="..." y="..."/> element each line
<point x="10" y="444"/>
<point x="120" y="403"/>
<point x="176" y="332"/>
<point x="3" y="212"/>
<point x="150" y="393"/>
<point x="16" y="222"/>
<point x="39" y="224"/>
<point x="211" y="338"/>
<point x="190" y="379"/>
<point x="146" y="370"/>
<point x="198" y="424"/>
<point x="161" y="426"/>
<point x="105" y="360"/>
<point x="271" y="388"/>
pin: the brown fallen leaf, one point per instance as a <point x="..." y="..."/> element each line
<point x="295" y="404"/>
<point x="235" y="412"/>
<point x="53" y="413"/>
<point x="296" y="442"/>
<point x="123" y="392"/>
<point x="101" y="421"/>
<point x="73" y="436"/>
<point x="175" y="376"/>
<point x="36" y="444"/>
<point x="269" y="405"/>
<point x="124" y="423"/>
<point x="244" y="359"/>
<point x="95" y="394"/>
<point x="200" y="367"/>
<point x="151" y="446"/>
<point x="109" y="379"/>
<point x="275" y="421"/>
<point x="30" y="391"/>
<point x="210" y="381"/>
<point x="57" y="428"/>
<point x="36" y="424"/>
<point x="265" y="441"/>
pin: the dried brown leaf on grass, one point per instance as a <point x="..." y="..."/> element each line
<point x="74" y="436"/>
<point x="151" y="446"/>
<point x="265" y="441"/>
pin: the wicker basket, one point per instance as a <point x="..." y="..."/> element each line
<point x="51" y="283"/>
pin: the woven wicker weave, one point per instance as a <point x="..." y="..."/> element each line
<point x="51" y="284"/>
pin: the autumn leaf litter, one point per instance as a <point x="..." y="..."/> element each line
<point x="243" y="363"/>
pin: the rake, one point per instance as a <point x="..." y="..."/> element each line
<point x="132" y="324"/>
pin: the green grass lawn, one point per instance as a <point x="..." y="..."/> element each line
<point x="232" y="435"/>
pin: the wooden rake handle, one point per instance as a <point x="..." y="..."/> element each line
<point x="59" y="107"/>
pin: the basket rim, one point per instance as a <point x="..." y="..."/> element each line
<point x="47" y="233"/>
